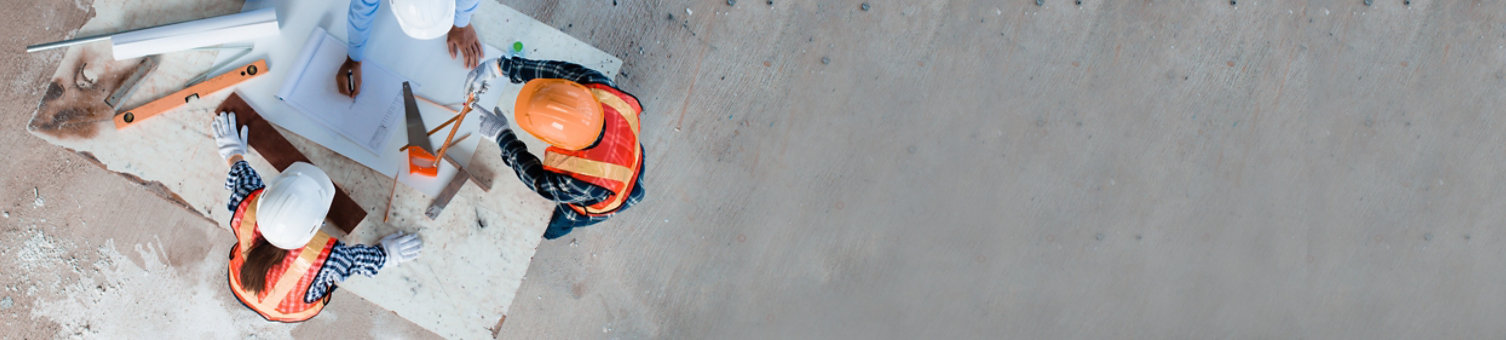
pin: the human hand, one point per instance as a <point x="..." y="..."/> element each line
<point x="231" y="145"/>
<point x="348" y="78"/>
<point x="492" y="124"/>
<point x="479" y="80"/>
<point x="464" y="41"/>
<point x="402" y="247"/>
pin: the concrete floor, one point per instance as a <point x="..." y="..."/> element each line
<point x="930" y="169"/>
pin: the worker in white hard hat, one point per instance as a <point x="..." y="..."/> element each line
<point x="419" y="19"/>
<point x="282" y="266"/>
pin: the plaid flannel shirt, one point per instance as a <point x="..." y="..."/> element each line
<point x="557" y="187"/>
<point x="343" y="261"/>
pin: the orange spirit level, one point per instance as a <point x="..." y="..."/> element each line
<point x="177" y="99"/>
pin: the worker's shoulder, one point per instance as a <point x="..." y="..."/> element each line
<point x="618" y="90"/>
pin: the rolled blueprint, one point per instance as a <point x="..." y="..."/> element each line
<point x="194" y="34"/>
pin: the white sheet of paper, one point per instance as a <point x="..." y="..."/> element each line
<point x="367" y="120"/>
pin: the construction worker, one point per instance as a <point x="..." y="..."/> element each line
<point x="281" y="266"/>
<point x="593" y="167"/>
<point x="419" y="19"/>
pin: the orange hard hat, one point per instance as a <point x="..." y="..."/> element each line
<point x="560" y="112"/>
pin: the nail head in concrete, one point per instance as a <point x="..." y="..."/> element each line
<point x="1427" y="236"/>
<point x="825" y="61"/>
<point x="1233" y="3"/>
<point x="1099" y="236"/>
<point x="1367" y="2"/>
<point x="731" y="2"/>
<point x="1040" y="2"/>
<point x="864" y="6"/>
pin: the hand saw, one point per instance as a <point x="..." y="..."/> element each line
<point x="420" y="160"/>
<point x="177" y="99"/>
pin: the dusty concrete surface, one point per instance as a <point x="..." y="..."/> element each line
<point x="937" y="169"/>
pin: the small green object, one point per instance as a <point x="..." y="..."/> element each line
<point x="517" y="50"/>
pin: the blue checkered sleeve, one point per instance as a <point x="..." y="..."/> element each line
<point x="344" y="261"/>
<point x="553" y="186"/>
<point x="520" y="70"/>
<point x="241" y="182"/>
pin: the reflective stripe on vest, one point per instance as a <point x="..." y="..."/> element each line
<point x="600" y="169"/>
<point x="588" y="167"/>
<point x="622" y="107"/>
<point x="287" y="282"/>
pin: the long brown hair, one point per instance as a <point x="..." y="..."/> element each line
<point x="259" y="260"/>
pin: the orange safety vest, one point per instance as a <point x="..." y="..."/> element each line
<point x="282" y="299"/>
<point x="614" y="161"/>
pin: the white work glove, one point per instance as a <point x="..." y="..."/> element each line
<point x="401" y="247"/>
<point x="481" y="78"/>
<point x="492" y="124"/>
<point x="230" y="143"/>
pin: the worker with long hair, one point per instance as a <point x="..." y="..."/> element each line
<point x="282" y="266"/>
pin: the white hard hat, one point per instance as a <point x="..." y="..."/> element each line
<point x="424" y="19"/>
<point x="292" y="208"/>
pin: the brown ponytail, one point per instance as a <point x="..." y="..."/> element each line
<point x="259" y="260"/>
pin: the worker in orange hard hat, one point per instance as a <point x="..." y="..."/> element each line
<point x="282" y="266"/>
<point x="593" y="167"/>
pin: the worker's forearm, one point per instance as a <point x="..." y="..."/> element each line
<point x="521" y="70"/>
<point x="343" y="262"/>
<point x="552" y="186"/>
<point x="463" y="11"/>
<point x="358" y="26"/>
<point x="241" y="182"/>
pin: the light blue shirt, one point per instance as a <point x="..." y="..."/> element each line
<point x="363" y="12"/>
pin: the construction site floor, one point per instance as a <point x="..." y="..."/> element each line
<point x="918" y="169"/>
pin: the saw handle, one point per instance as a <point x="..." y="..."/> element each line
<point x="422" y="163"/>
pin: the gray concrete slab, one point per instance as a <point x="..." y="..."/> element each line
<point x="980" y="169"/>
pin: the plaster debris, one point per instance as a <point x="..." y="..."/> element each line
<point x="37" y="200"/>
<point x="88" y="303"/>
<point x="37" y="251"/>
<point x="7" y="303"/>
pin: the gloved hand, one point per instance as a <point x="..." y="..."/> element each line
<point x="492" y="124"/>
<point x="481" y="78"/>
<point x="229" y="142"/>
<point x="401" y="247"/>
